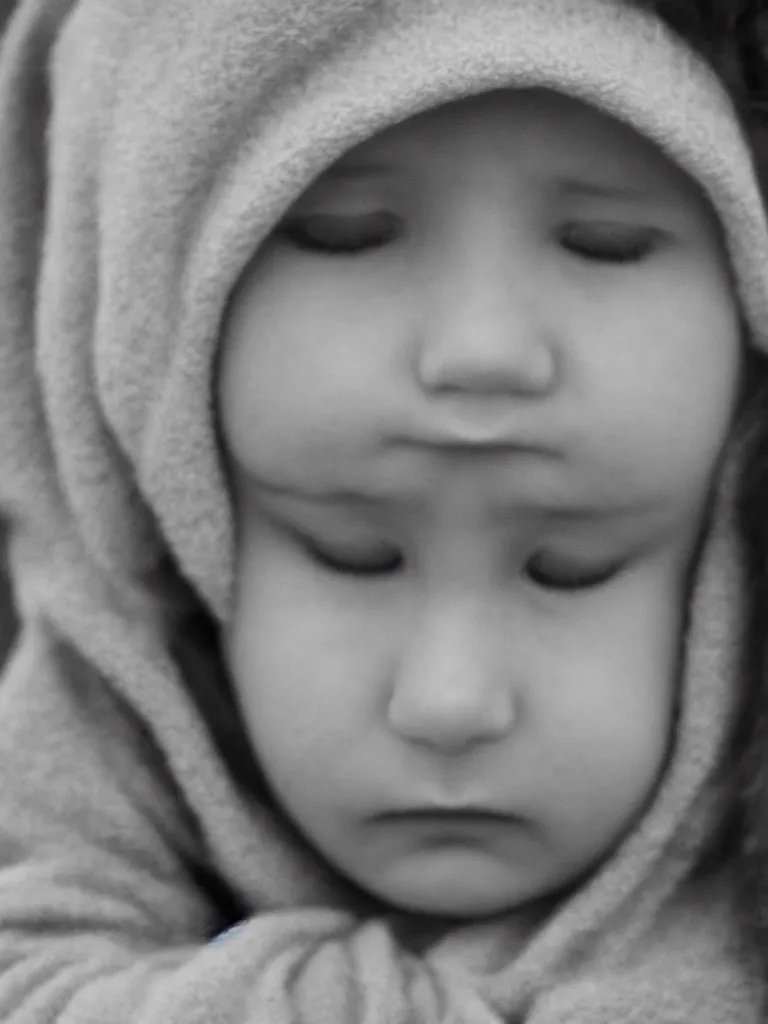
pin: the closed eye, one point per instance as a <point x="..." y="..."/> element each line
<point x="609" y="243"/>
<point x="341" y="234"/>
<point x="378" y="562"/>
<point x="552" y="573"/>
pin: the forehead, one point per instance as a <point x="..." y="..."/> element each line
<point x="536" y="129"/>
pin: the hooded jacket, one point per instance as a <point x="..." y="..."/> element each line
<point x="146" y="148"/>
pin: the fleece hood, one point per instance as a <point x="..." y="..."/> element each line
<point x="147" y="148"/>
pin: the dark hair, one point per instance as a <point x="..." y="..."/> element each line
<point x="732" y="36"/>
<point x="749" y="824"/>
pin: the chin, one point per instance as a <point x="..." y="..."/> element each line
<point x="466" y="901"/>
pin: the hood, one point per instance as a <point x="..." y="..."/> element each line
<point x="147" y="149"/>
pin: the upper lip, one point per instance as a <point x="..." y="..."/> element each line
<point x="483" y="426"/>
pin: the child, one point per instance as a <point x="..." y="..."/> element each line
<point x="381" y="442"/>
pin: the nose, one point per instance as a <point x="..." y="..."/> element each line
<point x="483" y="331"/>
<point x="449" y="692"/>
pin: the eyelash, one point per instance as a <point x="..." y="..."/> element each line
<point x="613" y="247"/>
<point x="394" y="563"/>
<point x="362" y="568"/>
<point x="581" y="579"/>
<point x="299" y="233"/>
<point x="630" y="246"/>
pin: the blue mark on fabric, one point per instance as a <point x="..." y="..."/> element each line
<point x="228" y="933"/>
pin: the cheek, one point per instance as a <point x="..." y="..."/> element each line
<point x="610" y="704"/>
<point x="307" y="669"/>
<point x="665" y="379"/>
<point x="304" y="360"/>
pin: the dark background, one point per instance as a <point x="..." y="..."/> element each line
<point x="7" y="617"/>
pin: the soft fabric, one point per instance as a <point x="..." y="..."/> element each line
<point x="146" y="147"/>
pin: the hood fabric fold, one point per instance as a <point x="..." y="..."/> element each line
<point x="147" y="148"/>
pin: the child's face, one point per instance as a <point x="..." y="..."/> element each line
<point x="471" y="456"/>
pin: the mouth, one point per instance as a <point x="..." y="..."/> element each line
<point x="470" y="816"/>
<point x="469" y="423"/>
<point x="462" y="830"/>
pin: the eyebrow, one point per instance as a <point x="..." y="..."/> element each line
<point x="583" y="188"/>
<point x="566" y="187"/>
<point x="359" y="170"/>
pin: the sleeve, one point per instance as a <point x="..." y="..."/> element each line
<point x="103" y="919"/>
